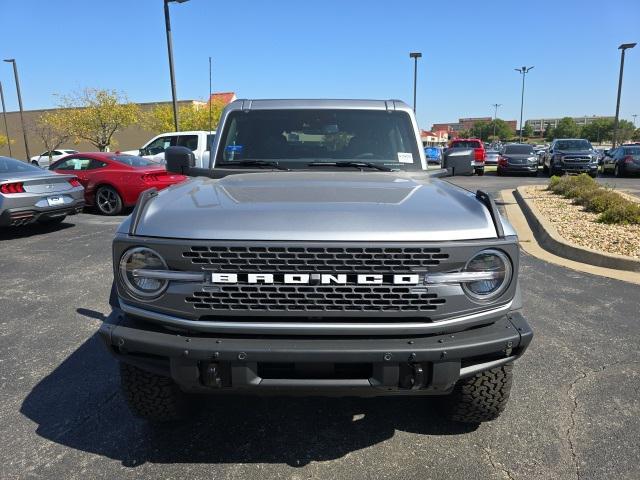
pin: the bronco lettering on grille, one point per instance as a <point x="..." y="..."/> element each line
<point x="311" y="278"/>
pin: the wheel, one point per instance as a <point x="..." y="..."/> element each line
<point x="152" y="396"/>
<point x="593" y="174"/>
<point x="545" y="169"/>
<point x="480" y="398"/>
<point x="534" y="174"/>
<point x="480" y="171"/>
<point x="108" y="201"/>
<point x="499" y="172"/>
<point x="52" y="220"/>
<point x="617" y="171"/>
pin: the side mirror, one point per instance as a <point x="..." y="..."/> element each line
<point x="179" y="160"/>
<point x="142" y="152"/>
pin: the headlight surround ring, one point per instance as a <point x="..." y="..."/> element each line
<point x="483" y="291"/>
<point x="138" y="258"/>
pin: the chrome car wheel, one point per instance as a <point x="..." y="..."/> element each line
<point x="108" y="201"/>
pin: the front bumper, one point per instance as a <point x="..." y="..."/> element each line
<point x="524" y="168"/>
<point x="577" y="168"/>
<point x="418" y="365"/>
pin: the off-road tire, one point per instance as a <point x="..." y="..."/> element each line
<point x="152" y="397"/>
<point x="617" y="171"/>
<point x="480" y="172"/>
<point x="545" y="169"/>
<point x="480" y="398"/>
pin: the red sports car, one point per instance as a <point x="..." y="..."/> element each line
<point x="112" y="181"/>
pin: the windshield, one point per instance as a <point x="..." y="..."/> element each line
<point x="573" y="145"/>
<point x="295" y="138"/>
<point x="10" y="165"/>
<point x="133" y="161"/>
<point x="466" y="144"/>
<point x="518" y="149"/>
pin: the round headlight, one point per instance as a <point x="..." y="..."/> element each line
<point x="132" y="262"/>
<point x="498" y="267"/>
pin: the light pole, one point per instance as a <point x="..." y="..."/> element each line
<point x="495" y="116"/>
<point x="24" y="130"/>
<point x="623" y="48"/>
<point x="167" y="24"/>
<point x="4" y="114"/>
<point x="634" y="116"/>
<point x="523" y="71"/>
<point x="415" y="56"/>
<point x="210" y="101"/>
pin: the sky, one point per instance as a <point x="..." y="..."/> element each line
<point x="333" y="49"/>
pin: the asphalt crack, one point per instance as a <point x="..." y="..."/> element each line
<point x="574" y="408"/>
<point x="497" y="465"/>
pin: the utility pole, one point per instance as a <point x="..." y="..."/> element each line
<point x="4" y="114"/>
<point x="623" y="48"/>
<point x="167" y="26"/>
<point x="523" y="70"/>
<point x="495" y="116"/>
<point x="24" y="130"/>
<point x="210" y="100"/>
<point x="634" y="118"/>
<point x="415" y="56"/>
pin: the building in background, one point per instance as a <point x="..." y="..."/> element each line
<point x="434" y="139"/>
<point x="539" y="125"/>
<point x="129" y="138"/>
<point x="453" y="128"/>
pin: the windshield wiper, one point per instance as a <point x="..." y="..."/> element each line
<point x="253" y="163"/>
<point x="351" y="164"/>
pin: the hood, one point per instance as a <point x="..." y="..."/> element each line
<point x="316" y="206"/>
<point x="582" y="153"/>
<point x="519" y="157"/>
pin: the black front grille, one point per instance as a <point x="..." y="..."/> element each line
<point x="576" y="159"/>
<point x="315" y="299"/>
<point x="315" y="259"/>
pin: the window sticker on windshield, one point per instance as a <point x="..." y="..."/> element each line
<point x="404" y="157"/>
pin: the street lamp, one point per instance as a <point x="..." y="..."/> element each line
<point x="415" y="56"/>
<point x="4" y="114"/>
<point x="495" y="116"/>
<point x="523" y="71"/>
<point x="167" y="24"/>
<point x="24" y="130"/>
<point x="623" y="48"/>
<point x="634" y="119"/>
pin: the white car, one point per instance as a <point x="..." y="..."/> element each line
<point x="42" y="160"/>
<point x="198" y="141"/>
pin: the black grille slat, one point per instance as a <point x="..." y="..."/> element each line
<point x="317" y="259"/>
<point x="315" y="299"/>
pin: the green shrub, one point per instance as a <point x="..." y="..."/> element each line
<point x="584" y="190"/>
<point x="600" y="200"/>
<point x="622" y="213"/>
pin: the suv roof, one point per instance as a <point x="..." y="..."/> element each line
<point x="329" y="104"/>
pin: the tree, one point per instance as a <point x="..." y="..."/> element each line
<point x="567" y="128"/>
<point x="527" y="131"/>
<point x="51" y="130"/>
<point x="636" y="135"/>
<point x="484" y="130"/>
<point x="191" y="117"/>
<point x="95" y="115"/>
<point x="625" y="131"/>
<point x="598" y="131"/>
<point x="3" y="141"/>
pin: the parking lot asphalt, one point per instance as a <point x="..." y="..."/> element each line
<point x="574" y="410"/>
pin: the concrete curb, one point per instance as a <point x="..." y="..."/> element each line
<point x="530" y="245"/>
<point x="549" y="238"/>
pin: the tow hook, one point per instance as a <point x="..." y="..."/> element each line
<point x="413" y="377"/>
<point x="210" y="375"/>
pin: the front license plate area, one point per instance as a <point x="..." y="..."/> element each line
<point x="55" y="201"/>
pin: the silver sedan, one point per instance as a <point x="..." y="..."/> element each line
<point x="29" y="194"/>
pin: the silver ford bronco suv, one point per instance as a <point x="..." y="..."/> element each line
<point x="316" y="256"/>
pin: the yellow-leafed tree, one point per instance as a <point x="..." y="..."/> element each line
<point x="190" y="117"/>
<point x="96" y="115"/>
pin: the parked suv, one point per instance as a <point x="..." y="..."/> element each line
<point x="570" y="155"/>
<point x="479" y="152"/>
<point x="622" y="161"/>
<point x="317" y="255"/>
